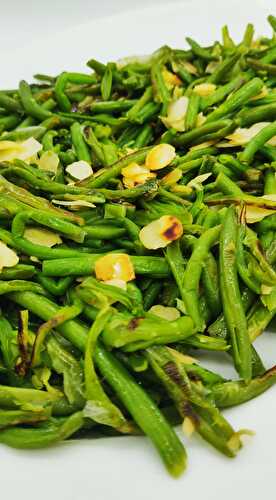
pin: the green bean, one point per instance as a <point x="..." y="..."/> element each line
<point x="60" y="86"/>
<point x="257" y="142"/>
<point x="8" y="122"/>
<point x="10" y="104"/>
<point x="161" y="91"/>
<point x="43" y="435"/>
<point x="106" y="84"/>
<point x="200" y="132"/>
<point x="222" y="70"/>
<point x="248" y="35"/>
<point x="261" y="66"/>
<point x="240" y="97"/>
<point x="200" y="52"/>
<point x="231" y="299"/>
<point x="29" y="103"/>
<point x="192" y="112"/>
<point x="79" y="144"/>
<point x="141" y="407"/>
<point x="115" y="170"/>
<point x="222" y="92"/>
<point x="81" y="266"/>
<point x="258" y="114"/>
<point x="234" y="393"/>
<point x="192" y="274"/>
<point x="139" y="105"/>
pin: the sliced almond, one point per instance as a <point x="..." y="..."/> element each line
<point x="168" y="313"/>
<point x="172" y="177"/>
<point x="242" y="136"/>
<point x="79" y="170"/>
<point x="48" y="161"/>
<point x="134" y="169"/>
<point x="199" y="180"/>
<point x="205" y="89"/>
<point x="200" y="119"/>
<point x="43" y="237"/>
<point x="8" y="257"/>
<point x="202" y="145"/>
<point x="160" y="156"/>
<point x="116" y="266"/>
<point x="211" y="67"/>
<point x="134" y="175"/>
<point x="24" y="150"/>
<point x="171" y="80"/>
<point x="160" y="232"/>
<point x="176" y="114"/>
<point x="255" y="214"/>
<point x="74" y="204"/>
<point x="131" y="182"/>
<point x="189" y="67"/>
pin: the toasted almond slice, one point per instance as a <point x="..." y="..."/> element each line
<point x="177" y="109"/>
<point x="133" y="169"/>
<point x="211" y="67"/>
<point x="41" y="236"/>
<point x="176" y="114"/>
<point x="202" y="145"/>
<point x="242" y="136"/>
<point x="160" y="156"/>
<point x="79" y="170"/>
<point x="200" y="119"/>
<point x="255" y="214"/>
<point x="8" y="257"/>
<point x="160" y="232"/>
<point x="116" y="266"/>
<point x="170" y="79"/>
<point x="199" y="179"/>
<point x="168" y="313"/>
<point x="205" y="89"/>
<point x="188" y="427"/>
<point x="49" y="161"/>
<point x="172" y="177"/>
<point x="189" y="67"/>
<point x="74" y="204"/>
<point x="118" y="283"/>
<point x="24" y="150"/>
<point x="6" y="145"/>
<point x="131" y="182"/>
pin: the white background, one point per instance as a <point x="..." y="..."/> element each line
<point x="50" y="36"/>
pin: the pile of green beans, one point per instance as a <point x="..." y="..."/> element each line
<point x="82" y="357"/>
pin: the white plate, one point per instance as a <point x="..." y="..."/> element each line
<point x="129" y="468"/>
